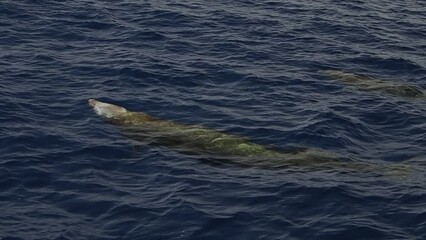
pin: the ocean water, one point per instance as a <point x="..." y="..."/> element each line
<point x="248" y="68"/>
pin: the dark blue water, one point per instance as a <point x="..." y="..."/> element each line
<point x="249" y="68"/>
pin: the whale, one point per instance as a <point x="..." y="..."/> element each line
<point x="368" y="83"/>
<point x="217" y="146"/>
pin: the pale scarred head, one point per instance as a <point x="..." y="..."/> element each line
<point x="107" y="110"/>
<point x="336" y="73"/>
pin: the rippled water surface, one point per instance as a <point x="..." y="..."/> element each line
<point x="248" y="68"/>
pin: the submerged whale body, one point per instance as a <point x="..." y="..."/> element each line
<point x="195" y="138"/>
<point x="368" y="83"/>
<point x="225" y="148"/>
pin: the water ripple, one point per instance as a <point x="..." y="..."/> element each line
<point x="245" y="67"/>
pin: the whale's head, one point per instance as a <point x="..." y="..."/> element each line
<point x="337" y="74"/>
<point x="107" y="110"/>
